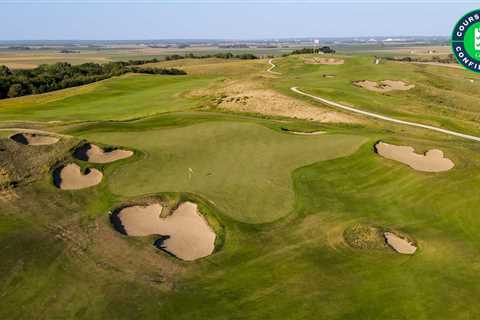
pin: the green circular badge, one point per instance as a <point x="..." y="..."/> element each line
<point x="466" y="41"/>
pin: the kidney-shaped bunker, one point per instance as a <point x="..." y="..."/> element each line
<point x="185" y="233"/>
<point x="71" y="177"/>
<point x="34" y="139"/>
<point x="432" y="161"/>
<point x="93" y="153"/>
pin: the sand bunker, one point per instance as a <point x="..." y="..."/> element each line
<point x="185" y="233"/>
<point x="399" y="244"/>
<point x="331" y="61"/>
<point x="70" y="177"/>
<point x="95" y="154"/>
<point x="314" y="133"/>
<point x="384" y="86"/>
<point x="34" y="139"/>
<point x="432" y="161"/>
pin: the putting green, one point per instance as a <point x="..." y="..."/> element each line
<point x="245" y="169"/>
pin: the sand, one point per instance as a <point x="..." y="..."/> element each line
<point x="385" y="85"/>
<point x="432" y="161"/>
<point x="95" y="154"/>
<point x="399" y="244"/>
<point x="314" y="133"/>
<point x="185" y="233"/>
<point x="70" y="177"/>
<point x="328" y="61"/>
<point x="34" y="139"/>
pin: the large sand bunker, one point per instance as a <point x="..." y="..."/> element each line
<point x="384" y="86"/>
<point x="95" y="154"/>
<point x="432" y="161"/>
<point x="329" y="61"/>
<point x="185" y="233"/>
<point x="34" y="139"/>
<point x="399" y="244"/>
<point x="70" y="177"/>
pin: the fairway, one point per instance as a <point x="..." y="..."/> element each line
<point x="244" y="169"/>
<point x="439" y="98"/>
<point x="120" y="98"/>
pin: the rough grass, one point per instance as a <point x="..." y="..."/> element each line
<point x="364" y="237"/>
<point x="23" y="163"/>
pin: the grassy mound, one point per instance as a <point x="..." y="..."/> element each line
<point x="362" y="236"/>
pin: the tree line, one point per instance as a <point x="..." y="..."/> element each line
<point x="46" y="78"/>
<point x="444" y="59"/>
<point x="324" y="49"/>
<point x="221" y="55"/>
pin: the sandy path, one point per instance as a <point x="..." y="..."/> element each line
<point x="432" y="161"/>
<point x="398" y="244"/>
<point x="34" y="139"/>
<point x="71" y="177"/>
<point x="95" y="154"/>
<point x="187" y="233"/>
<point x="385" y="118"/>
<point x="272" y="65"/>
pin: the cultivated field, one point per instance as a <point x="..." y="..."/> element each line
<point x="312" y="219"/>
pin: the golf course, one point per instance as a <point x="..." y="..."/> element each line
<point x="295" y="187"/>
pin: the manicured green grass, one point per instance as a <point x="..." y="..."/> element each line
<point x="243" y="168"/>
<point x="121" y="98"/>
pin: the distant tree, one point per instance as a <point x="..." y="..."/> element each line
<point x="4" y="71"/>
<point x="4" y="87"/>
<point x="15" y="90"/>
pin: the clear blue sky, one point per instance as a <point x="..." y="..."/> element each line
<point x="109" y="19"/>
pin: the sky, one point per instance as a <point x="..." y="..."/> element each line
<point x="227" y="19"/>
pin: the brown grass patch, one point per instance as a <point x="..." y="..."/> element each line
<point x="384" y="86"/>
<point x="327" y="61"/>
<point x="249" y="98"/>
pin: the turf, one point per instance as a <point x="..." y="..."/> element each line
<point x="243" y="168"/>
<point x="121" y="98"/>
